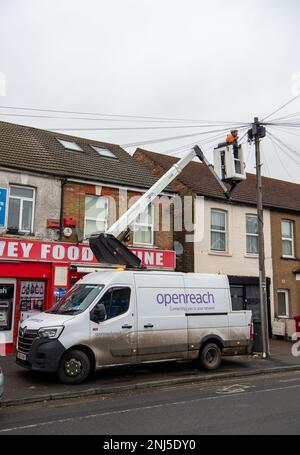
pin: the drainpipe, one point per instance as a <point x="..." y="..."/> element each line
<point x="61" y="221"/>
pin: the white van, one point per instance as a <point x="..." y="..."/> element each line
<point x="118" y="317"/>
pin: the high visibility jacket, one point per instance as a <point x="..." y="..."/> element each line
<point x="230" y="139"/>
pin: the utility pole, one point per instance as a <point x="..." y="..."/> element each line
<point x="257" y="133"/>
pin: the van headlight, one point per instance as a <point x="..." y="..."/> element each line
<point x="51" y="332"/>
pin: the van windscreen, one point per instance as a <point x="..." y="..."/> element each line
<point x="77" y="299"/>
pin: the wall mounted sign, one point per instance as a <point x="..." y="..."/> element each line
<point x="3" y="204"/>
<point x="27" y="250"/>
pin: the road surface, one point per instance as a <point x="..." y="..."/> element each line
<point x="265" y="404"/>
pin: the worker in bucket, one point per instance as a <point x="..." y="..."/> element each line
<point x="232" y="139"/>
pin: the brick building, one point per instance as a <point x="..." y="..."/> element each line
<point x="55" y="190"/>
<point x="285" y="224"/>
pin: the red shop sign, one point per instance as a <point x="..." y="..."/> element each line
<point x="27" y="250"/>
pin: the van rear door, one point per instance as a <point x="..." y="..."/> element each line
<point x="239" y="318"/>
<point x="207" y="309"/>
<point x="162" y="326"/>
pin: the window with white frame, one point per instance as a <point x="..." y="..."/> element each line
<point x="143" y="228"/>
<point x="96" y="214"/>
<point x="287" y="237"/>
<point x="251" y="234"/>
<point x="21" y="208"/>
<point x="283" y="303"/>
<point x="218" y="234"/>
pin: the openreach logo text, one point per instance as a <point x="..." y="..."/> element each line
<point x="186" y="299"/>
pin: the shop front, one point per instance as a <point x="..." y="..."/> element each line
<point x="35" y="274"/>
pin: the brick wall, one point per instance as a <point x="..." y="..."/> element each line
<point x="283" y="269"/>
<point x="74" y="208"/>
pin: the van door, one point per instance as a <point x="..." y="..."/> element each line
<point x="243" y="298"/>
<point x="208" y="310"/>
<point x="162" y="326"/>
<point x="114" y="340"/>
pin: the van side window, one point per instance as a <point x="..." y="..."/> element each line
<point x="116" y="301"/>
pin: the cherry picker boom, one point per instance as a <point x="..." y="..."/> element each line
<point x="108" y="247"/>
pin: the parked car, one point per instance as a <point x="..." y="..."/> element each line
<point x="1" y="383"/>
<point x="126" y="317"/>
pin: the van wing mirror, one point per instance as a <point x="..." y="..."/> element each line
<point x="98" y="313"/>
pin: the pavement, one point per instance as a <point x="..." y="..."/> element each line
<point x="24" y="386"/>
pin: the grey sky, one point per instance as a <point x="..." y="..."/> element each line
<point x="217" y="60"/>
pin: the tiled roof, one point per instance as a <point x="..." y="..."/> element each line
<point x="33" y="149"/>
<point x="276" y="193"/>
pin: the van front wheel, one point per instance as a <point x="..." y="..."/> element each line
<point x="210" y="357"/>
<point x="74" y="367"/>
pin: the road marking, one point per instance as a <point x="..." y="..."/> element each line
<point x="143" y="408"/>
<point x="234" y="388"/>
<point x="290" y="380"/>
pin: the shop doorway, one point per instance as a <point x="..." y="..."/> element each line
<point x="245" y="296"/>
<point x="7" y="312"/>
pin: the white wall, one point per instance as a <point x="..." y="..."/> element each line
<point x="47" y="198"/>
<point x="235" y="261"/>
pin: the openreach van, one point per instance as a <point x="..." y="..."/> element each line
<point x="116" y="317"/>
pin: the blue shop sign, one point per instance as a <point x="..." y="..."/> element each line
<point x="3" y="203"/>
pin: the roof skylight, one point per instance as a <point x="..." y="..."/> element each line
<point x="102" y="151"/>
<point x="70" y="145"/>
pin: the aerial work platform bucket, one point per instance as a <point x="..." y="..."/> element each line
<point x="107" y="249"/>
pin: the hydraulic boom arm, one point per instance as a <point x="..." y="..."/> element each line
<point x="142" y="203"/>
<point x="107" y="248"/>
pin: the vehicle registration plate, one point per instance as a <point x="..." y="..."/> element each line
<point x="21" y="356"/>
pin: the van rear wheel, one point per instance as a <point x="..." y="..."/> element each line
<point x="210" y="357"/>
<point x="74" y="367"/>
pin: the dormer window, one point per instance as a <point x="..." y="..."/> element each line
<point x="70" y="145"/>
<point x="102" y="151"/>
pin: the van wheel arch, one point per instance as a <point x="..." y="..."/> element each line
<point x="212" y="339"/>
